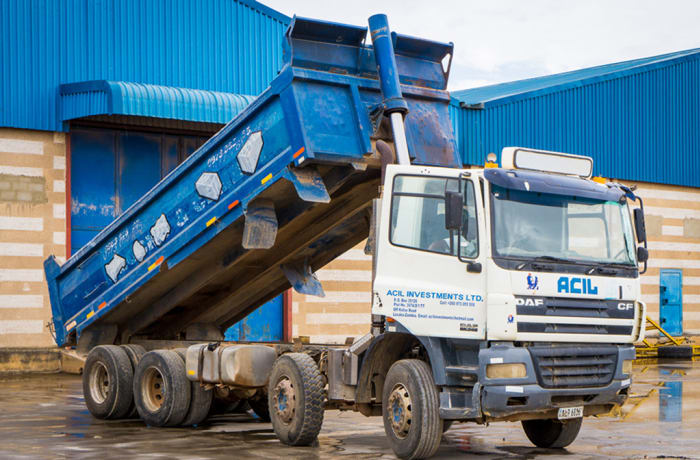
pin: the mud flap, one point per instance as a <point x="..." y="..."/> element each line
<point x="260" y="228"/>
<point x="302" y="279"/>
<point x="308" y="184"/>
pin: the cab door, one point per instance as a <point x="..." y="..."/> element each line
<point x="422" y="281"/>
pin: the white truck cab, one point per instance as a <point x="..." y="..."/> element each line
<point x="521" y="284"/>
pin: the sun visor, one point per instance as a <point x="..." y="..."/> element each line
<point x="555" y="184"/>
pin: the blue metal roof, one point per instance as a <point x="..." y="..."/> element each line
<point x="102" y="97"/>
<point x="516" y="90"/>
<point x="221" y="46"/>
<point x="637" y="119"/>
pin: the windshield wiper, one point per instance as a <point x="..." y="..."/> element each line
<point x="552" y="259"/>
<point x="609" y="268"/>
<point x="534" y="262"/>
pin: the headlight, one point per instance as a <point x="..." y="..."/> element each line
<point x="506" y="371"/>
<point x="627" y="366"/>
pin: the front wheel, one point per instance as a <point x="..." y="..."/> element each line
<point x="552" y="434"/>
<point x="295" y="399"/>
<point x="411" y="410"/>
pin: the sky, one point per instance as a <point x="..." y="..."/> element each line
<point x="504" y="40"/>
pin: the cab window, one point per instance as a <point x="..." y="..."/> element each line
<point x="418" y="216"/>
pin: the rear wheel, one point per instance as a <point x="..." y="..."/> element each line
<point x="552" y="433"/>
<point x="200" y="398"/>
<point x="411" y="410"/>
<point x="107" y="382"/>
<point x="295" y="399"/>
<point x="135" y="353"/>
<point x="161" y="390"/>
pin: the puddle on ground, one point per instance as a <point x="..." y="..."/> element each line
<point x="43" y="416"/>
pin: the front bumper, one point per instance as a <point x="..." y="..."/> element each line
<point x="526" y="398"/>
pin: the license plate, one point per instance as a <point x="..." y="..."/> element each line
<point x="570" y="412"/>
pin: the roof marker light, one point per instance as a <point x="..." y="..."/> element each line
<point x="491" y="161"/>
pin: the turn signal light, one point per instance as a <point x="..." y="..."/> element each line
<point x="506" y="371"/>
<point x="627" y="366"/>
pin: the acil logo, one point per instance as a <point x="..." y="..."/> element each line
<point x="574" y="285"/>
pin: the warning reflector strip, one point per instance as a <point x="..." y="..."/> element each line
<point x="156" y="263"/>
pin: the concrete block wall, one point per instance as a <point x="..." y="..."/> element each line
<point x="32" y="226"/>
<point x="673" y="230"/>
<point x="345" y="311"/>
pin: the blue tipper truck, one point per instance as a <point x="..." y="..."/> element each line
<point x="294" y="181"/>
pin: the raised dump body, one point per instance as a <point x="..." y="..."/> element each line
<point x="279" y="192"/>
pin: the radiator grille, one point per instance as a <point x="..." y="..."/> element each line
<point x="570" y="366"/>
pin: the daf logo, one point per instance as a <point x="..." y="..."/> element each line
<point x="529" y="302"/>
<point x="625" y="306"/>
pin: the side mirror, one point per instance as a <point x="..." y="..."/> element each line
<point x="642" y="254"/>
<point x="639" y="226"/>
<point x="453" y="210"/>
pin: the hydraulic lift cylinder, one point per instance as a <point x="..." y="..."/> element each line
<point x="394" y="104"/>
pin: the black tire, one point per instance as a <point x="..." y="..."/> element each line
<point x="200" y="399"/>
<point x="411" y="410"/>
<point x="107" y="382"/>
<point x="552" y="434"/>
<point x="675" y="352"/>
<point x="259" y="404"/>
<point x="135" y="353"/>
<point x="161" y="389"/>
<point x="295" y="398"/>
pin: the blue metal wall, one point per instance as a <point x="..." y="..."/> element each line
<point x="266" y="324"/>
<point x="641" y="125"/>
<point x="112" y="168"/>
<point x="229" y="46"/>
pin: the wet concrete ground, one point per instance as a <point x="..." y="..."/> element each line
<point x="45" y="417"/>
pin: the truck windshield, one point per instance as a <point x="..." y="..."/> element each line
<point x="531" y="224"/>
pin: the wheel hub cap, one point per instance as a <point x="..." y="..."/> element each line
<point x="284" y="398"/>
<point x="99" y="383"/>
<point x="400" y="411"/>
<point x="152" y="390"/>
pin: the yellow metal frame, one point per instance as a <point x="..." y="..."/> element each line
<point x="651" y="349"/>
<point x="653" y="325"/>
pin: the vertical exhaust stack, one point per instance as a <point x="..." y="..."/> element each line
<point x="394" y="104"/>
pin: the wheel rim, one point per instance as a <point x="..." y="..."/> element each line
<point x="152" y="390"/>
<point x="399" y="408"/>
<point x="284" y="399"/>
<point x="99" y="383"/>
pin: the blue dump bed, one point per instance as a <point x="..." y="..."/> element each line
<point x="279" y="192"/>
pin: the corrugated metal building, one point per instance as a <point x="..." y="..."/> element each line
<point x="631" y="117"/>
<point x="98" y="101"/>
